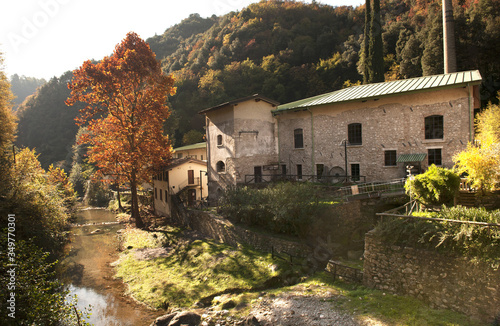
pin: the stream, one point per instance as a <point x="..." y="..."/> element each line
<point x="88" y="273"/>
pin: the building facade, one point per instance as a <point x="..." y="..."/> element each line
<point x="242" y="141"/>
<point x="371" y="132"/>
<point x="185" y="177"/>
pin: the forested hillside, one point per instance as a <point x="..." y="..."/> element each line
<point x="47" y="124"/>
<point x="288" y="50"/>
<point x="22" y="87"/>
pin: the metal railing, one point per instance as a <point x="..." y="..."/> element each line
<point x="330" y="179"/>
<point x="373" y="187"/>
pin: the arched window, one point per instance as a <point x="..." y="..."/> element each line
<point x="221" y="167"/>
<point x="219" y="140"/>
<point x="298" y="137"/>
<point x="434" y="127"/>
<point x="354" y="134"/>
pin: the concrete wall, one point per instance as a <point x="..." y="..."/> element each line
<point x="393" y="123"/>
<point x="445" y="282"/>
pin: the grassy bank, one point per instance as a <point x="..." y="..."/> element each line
<point x="192" y="270"/>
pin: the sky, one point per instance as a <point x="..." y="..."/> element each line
<point x="45" y="38"/>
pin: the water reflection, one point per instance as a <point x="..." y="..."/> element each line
<point x="88" y="272"/>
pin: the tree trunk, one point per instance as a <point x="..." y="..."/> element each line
<point x="135" y="201"/>
<point x="120" y="207"/>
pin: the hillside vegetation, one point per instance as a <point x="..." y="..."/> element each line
<point x="285" y="50"/>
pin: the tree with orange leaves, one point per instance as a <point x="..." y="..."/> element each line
<point x="126" y="95"/>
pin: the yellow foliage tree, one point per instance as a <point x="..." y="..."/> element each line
<point x="481" y="160"/>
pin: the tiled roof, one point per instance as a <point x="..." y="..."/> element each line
<point x="378" y="90"/>
<point x="256" y="97"/>
<point x="192" y="146"/>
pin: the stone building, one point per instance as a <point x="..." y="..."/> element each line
<point x="373" y="132"/>
<point x="241" y="137"/>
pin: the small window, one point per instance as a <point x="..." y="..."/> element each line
<point x="156" y="193"/>
<point x="299" y="171"/>
<point x="201" y="157"/>
<point x="179" y="155"/>
<point x="355" y="172"/>
<point x="434" y="156"/>
<point x="434" y="127"/>
<point x="390" y="158"/>
<point x="298" y="137"/>
<point x="165" y="176"/>
<point x="161" y="194"/>
<point x="221" y="167"/>
<point x="354" y="134"/>
<point x="219" y="140"/>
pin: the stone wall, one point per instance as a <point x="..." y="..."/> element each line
<point x="444" y="282"/>
<point x="222" y="230"/>
<point x="392" y="123"/>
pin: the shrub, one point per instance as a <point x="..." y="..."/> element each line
<point x="461" y="238"/>
<point x="283" y="207"/>
<point x="437" y="186"/>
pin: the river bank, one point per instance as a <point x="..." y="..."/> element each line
<point x="88" y="272"/>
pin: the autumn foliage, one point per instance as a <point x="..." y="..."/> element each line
<point x="126" y="96"/>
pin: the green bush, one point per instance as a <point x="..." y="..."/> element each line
<point x="283" y="207"/>
<point x="437" y="186"/>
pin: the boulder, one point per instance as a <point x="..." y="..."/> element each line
<point x="164" y="320"/>
<point x="249" y="321"/>
<point x="186" y="318"/>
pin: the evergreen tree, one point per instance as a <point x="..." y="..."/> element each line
<point x="366" y="44"/>
<point x="376" y="45"/>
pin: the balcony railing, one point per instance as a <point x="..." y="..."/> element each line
<point x="331" y="179"/>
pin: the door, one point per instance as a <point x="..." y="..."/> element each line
<point x="191" y="177"/>
<point x="191" y="197"/>
<point x="257" y="171"/>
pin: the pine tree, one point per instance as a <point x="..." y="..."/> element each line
<point x="367" y="61"/>
<point x="373" y="52"/>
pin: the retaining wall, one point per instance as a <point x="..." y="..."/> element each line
<point x="444" y="282"/>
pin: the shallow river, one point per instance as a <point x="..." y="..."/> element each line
<point x="90" y="276"/>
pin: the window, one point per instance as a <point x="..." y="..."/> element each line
<point x="219" y="140"/>
<point x="390" y="158"/>
<point x="161" y="194"/>
<point x="434" y="127"/>
<point x="156" y="193"/>
<point x="165" y="176"/>
<point x="221" y="167"/>
<point x="298" y="138"/>
<point x="299" y="171"/>
<point x="355" y="174"/>
<point x="354" y="134"/>
<point x="319" y="170"/>
<point x="179" y="155"/>
<point x="434" y="156"/>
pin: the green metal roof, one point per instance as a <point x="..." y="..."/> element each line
<point x="396" y="87"/>
<point x="411" y="158"/>
<point x="193" y="146"/>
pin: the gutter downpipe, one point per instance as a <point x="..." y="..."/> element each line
<point x="312" y="142"/>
